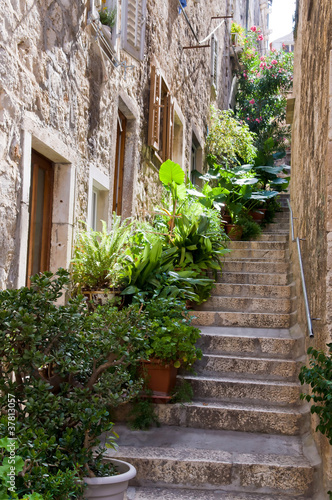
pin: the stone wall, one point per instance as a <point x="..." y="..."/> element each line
<point x="60" y="95"/>
<point x="311" y="177"/>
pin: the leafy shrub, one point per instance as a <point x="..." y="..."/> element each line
<point x="319" y="377"/>
<point x="171" y="337"/>
<point x="99" y="257"/>
<point x="70" y="365"/>
<point x="263" y="84"/>
<point x="250" y="228"/>
<point x="229" y="140"/>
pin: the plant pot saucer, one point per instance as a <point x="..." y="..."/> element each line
<point x="157" y="397"/>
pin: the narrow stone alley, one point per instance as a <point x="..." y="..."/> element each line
<point x="246" y="433"/>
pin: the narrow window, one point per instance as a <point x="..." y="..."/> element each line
<point x="41" y="196"/>
<point x="119" y="164"/>
<point x="94" y="209"/>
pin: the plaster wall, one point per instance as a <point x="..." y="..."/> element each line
<point x="311" y="178"/>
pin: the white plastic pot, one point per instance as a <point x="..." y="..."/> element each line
<point x="110" y="487"/>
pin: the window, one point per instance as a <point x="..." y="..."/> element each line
<point x="94" y="209"/>
<point x="214" y="62"/>
<point x="106" y="35"/>
<point x="195" y="160"/>
<point x="98" y="199"/>
<point x="133" y="27"/>
<point x="40" y="226"/>
<point x="161" y="116"/>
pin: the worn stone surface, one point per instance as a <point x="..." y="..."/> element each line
<point x="311" y="176"/>
<point x="171" y="494"/>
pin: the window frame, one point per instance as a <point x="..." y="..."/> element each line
<point x="136" y="51"/>
<point x="161" y="116"/>
<point x="38" y="162"/>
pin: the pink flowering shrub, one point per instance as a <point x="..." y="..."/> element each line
<point x="264" y="81"/>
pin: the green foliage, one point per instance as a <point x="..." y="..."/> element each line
<point x="238" y="188"/>
<point x="142" y="415"/>
<point x="272" y="206"/>
<point x="70" y="366"/>
<point x="229" y="140"/>
<point x="108" y="17"/>
<point x="182" y="392"/>
<point x="250" y="228"/>
<point x="190" y="243"/>
<point x="170" y="334"/>
<point x="99" y="257"/>
<point x="319" y="377"/>
<point x="263" y="86"/>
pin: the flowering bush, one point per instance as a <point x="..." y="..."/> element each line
<point x="264" y="82"/>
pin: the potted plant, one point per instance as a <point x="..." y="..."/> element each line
<point x="70" y="367"/>
<point x="100" y="259"/>
<point x="108" y="19"/>
<point x="237" y="34"/>
<point x="171" y="344"/>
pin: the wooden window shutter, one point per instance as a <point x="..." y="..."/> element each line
<point x="214" y="62"/>
<point x="168" y="129"/>
<point x="154" y="108"/>
<point x="133" y="27"/>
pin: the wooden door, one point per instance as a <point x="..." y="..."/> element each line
<point x="40" y="226"/>
<point x="119" y="164"/>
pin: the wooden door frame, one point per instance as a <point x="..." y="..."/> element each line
<point x="39" y="161"/>
<point x="119" y="164"/>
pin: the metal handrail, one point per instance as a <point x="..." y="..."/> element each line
<point x="304" y="288"/>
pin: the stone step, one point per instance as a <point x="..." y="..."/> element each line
<point x="137" y="493"/>
<point x="248" y="290"/>
<point x="248" y="253"/>
<point x="263" y="266"/>
<point x="256" y="342"/>
<point x="250" y="367"/>
<point x="259" y="245"/>
<point x="254" y="278"/>
<point x="207" y="459"/>
<point x="244" y="319"/>
<point x="245" y="390"/>
<point x="272" y="237"/>
<point x="277" y="226"/>
<point x="268" y="419"/>
<point x="247" y="304"/>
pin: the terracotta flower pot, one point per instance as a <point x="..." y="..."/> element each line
<point x="226" y="219"/>
<point x="160" y="378"/>
<point x="258" y="215"/>
<point x="234" y="232"/>
<point x="110" y="487"/>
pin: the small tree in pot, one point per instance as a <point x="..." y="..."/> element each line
<point x="171" y="339"/>
<point x="62" y="368"/>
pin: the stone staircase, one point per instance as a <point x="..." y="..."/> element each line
<point x="246" y="434"/>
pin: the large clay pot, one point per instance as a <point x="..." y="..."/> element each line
<point x="258" y="215"/>
<point x="234" y="232"/>
<point x="110" y="487"/>
<point x="160" y="378"/>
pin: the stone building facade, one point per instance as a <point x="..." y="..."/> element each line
<point x="311" y="178"/>
<point x="80" y="133"/>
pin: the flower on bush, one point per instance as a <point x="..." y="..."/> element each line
<point x="269" y="78"/>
